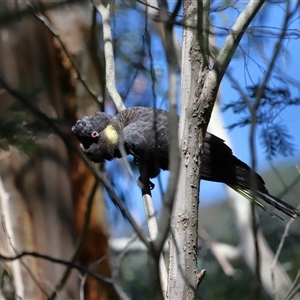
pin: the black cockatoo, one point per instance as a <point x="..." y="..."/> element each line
<point x="143" y="132"/>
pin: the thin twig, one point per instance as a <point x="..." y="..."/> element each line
<point x="73" y="265"/>
<point x="147" y="197"/>
<point x="278" y="251"/>
<point x="275" y="260"/>
<point x="294" y="288"/>
<point x="44" y="20"/>
<point x="174" y="157"/>
<point x="80" y="241"/>
<point x="116" y="286"/>
<point x="123" y="253"/>
<point x="235" y="35"/>
<point x="220" y="256"/>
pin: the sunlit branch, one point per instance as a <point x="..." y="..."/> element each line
<point x="109" y="56"/>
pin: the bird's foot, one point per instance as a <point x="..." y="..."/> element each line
<point x="142" y="184"/>
<point x="151" y="185"/>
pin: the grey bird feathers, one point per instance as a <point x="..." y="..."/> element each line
<point x="144" y="133"/>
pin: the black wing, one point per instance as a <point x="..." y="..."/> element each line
<point x="219" y="164"/>
<point x="146" y="138"/>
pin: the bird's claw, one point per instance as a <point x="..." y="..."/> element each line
<point x="150" y="183"/>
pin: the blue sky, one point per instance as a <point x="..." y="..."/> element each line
<point x="288" y="63"/>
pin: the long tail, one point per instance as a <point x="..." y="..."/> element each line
<point x="270" y="199"/>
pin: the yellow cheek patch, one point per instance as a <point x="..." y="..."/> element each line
<point x="111" y="134"/>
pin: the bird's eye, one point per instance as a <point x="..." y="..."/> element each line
<point x="95" y="134"/>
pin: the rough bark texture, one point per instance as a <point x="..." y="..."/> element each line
<point x="200" y="85"/>
<point x="198" y="94"/>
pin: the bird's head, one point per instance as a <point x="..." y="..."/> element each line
<point x="98" y="138"/>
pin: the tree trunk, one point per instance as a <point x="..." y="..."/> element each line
<point x="48" y="190"/>
<point x="184" y="276"/>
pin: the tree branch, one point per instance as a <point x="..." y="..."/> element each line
<point x="71" y="264"/>
<point x="203" y="30"/>
<point x="109" y="56"/>
<point x="234" y="37"/>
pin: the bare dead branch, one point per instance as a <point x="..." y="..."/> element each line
<point x="174" y="157"/>
<point x="109" y="56"/>
<point x="219" y="254"/>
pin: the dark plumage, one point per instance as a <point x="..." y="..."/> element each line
<point x="144" y="134"/>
